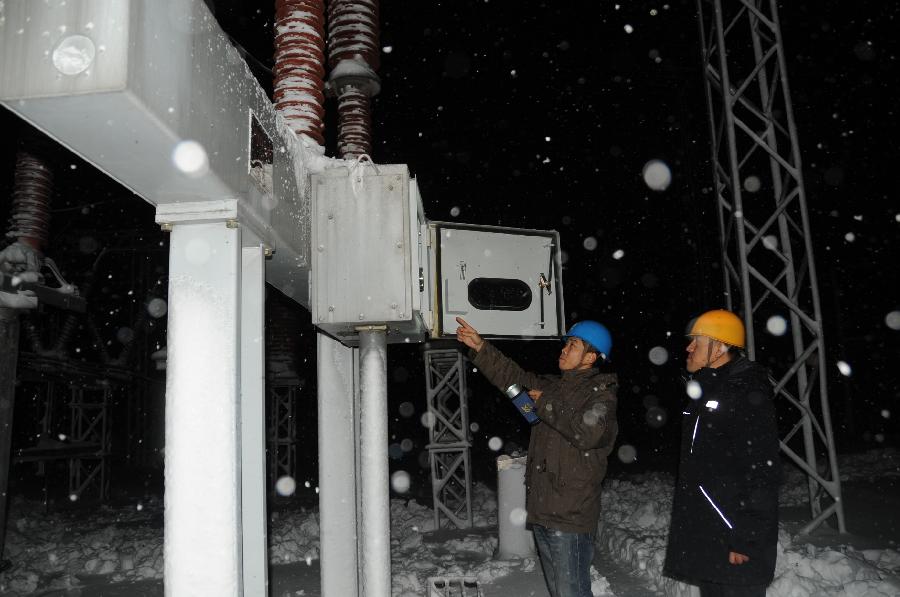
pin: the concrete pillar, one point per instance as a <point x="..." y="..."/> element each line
<point x="254" y="548"/>
<point x="338" y="367"/>
<point x="202" y="458"/>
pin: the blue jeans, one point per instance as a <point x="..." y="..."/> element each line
<point x="566" y="560"/>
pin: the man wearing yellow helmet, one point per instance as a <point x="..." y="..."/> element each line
<point x="725" y="508"/>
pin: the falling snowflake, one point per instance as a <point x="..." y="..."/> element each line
<point x="400" y="481"/>
<point x="657" y="175"/>
<point x="776" y="325"/>
<point x="658" y="355"/>
<point x="627" y="453"/>
<point x="190" y="158"/>
<point x="694" y="390"/>
<point x="285" y="486"/>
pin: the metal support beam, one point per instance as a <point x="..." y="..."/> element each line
<point x="282" y="429"/>
<point x="89" y="425"/>
<point x="375" y="528"/>
<point x="203" y="456"/>
<point x="449" y="447"/>
<point x="253" y="420"/>
<point x="767" y="254"/>
<point x="9" y="356"/>
<point x="338" y="401"/>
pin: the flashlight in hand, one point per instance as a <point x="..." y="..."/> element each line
<point x="523" y="402"/>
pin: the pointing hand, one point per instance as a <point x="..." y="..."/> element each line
<point x="468" y="335"/>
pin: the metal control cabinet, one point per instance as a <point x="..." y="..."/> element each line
<point x="377" y="260"/>
<point x="506" y="282"/>
<point x="365" y="252"/>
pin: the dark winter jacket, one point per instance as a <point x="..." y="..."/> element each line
<point x="726" y="496"/>
<point x="568" y="449"/>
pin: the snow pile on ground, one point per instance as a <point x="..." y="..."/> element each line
<point x="293" y="536"/>
<point x="63" y="549"/>
<point x="635" y="526"/>
<point x="866" y="466"/>
<point x="57" y="550"/>
<point x="415" y="558"/>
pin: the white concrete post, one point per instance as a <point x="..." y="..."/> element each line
<point x="375" y="531"/>
<point x="253" y="419"/>
<point x="337" y="390"/>
<point x="202" y="457"/>
<point x="514" y="539"/>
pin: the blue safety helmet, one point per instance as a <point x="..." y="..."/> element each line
<point x="595" y="334"/>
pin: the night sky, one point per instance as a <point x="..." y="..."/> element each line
<point x="542" y="115"/>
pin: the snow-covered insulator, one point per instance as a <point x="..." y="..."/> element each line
<point x="32" y="188"/>
<point x="300" y="65"/>
<point x="353" y="32"/>
<point x="353" y="55"/>
<point x="354" y="122"/>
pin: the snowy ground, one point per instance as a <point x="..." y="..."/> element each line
<point x="62" y="550"/>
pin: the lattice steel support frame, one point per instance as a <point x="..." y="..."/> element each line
<point x="90" y="425"/>
<point x="282" y="431"/>
<point x="449" y="447"/>
<point x="767" y="249"/>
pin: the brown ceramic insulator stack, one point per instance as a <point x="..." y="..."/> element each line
<point x="353" y="32"/>
<point x="32" y="189"/>
<point x="354" y="122"/>
<point x="300" y="65"/>
<point x="354" y="56"/>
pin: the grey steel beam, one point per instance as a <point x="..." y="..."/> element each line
<point x="123" y="82"/>
<point x="9" y="356"/>
<point x="449" y="446"/>
<point x="338" y="410"/>
<point x="375" y="511"/>
<point x="766" y="241"/>
<point x="252" y="419"/>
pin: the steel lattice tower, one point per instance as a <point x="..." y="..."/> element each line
<point x="767" y="251"/>
<point x="449" y="446"/>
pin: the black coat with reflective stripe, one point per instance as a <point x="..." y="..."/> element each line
<point x="726" y="495"/>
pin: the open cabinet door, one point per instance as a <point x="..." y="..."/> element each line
<point x="506" y="282"/>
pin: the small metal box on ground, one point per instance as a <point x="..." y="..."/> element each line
<point x="453" y="586"/>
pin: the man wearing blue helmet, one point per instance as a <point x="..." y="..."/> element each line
<point x="568" y="449"/>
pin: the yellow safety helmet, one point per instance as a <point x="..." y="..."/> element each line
<point x="720" y="325"/>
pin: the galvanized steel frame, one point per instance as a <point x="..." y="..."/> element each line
<point x="282" y="430"/>
<point x="90" y="425"/>
<point x="767" y="253"/>
<point x="449" y="447"/>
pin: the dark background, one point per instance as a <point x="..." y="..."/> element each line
<point x="542" y="115"/>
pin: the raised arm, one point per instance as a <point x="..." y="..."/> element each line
<point x="498" y="368"/>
